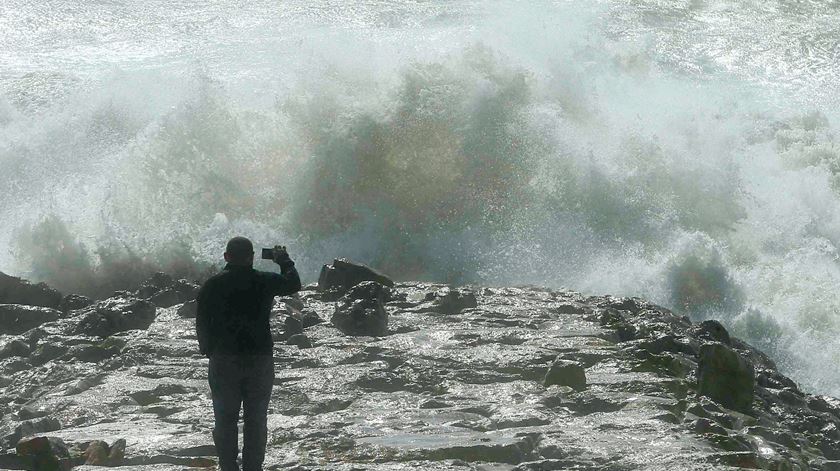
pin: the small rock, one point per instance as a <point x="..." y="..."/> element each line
<point x="46" y="453"/>
<point x="114" y="315"/>
<point x="17" y="365"/>
<point x="164" y="298"/>
<point x="368" y="290"/>
<point x="72" y="302"/>
<point x="726" y="377"/>
<point x="625" y="331"/>
<point x="295" y="323"/>
<point x="97" y="453"/>
<point x="670" y="343"/>
<point x="632" y="305"/>
<point x="14" y="290"/>
<point x="344" y="274"/>
<point x="703" y="425"/>
<point x="47" y="352"/>
<point x="566" y="373"/>
<point x="84" y="384"/>
<point x="164" y="291"/>
<point x="292" y="302"/>
<point x="774" y="379"/>
<point x="117" y="455"/>
<point x="434" y="404"/>
<point x="361" y="310"/>
<point x="154" y="284"/>
<point x="714" y="331"/>
<point x="188" y="310"/>
<point x="144" y="398"/>
<point x="310" y="318"/>
<point x="453" y="301"/>
<point x="87" y="353"/>
<point x="300" y="340"/>
<point x="15" y="348"/>
<point x="29" y="412"/>
<point x="31" y="428"/>
<point x="18" y="318"/>
<point x="292" y="326"/>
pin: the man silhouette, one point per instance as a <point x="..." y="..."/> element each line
<point x="232" y="326"/>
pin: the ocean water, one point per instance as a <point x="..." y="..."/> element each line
<point x="682" y="151"/>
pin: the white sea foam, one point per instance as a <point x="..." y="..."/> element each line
<point x="682" y="152"/>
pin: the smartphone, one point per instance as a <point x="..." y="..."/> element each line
<point x="268" y="254"/>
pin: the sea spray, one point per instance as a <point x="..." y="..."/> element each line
<point x="618" y="148"/>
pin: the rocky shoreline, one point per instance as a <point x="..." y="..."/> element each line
<point x="407" y="376"/>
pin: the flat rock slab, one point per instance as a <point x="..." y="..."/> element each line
<point x="146" y="438"/>
<point x="466" y="446"/>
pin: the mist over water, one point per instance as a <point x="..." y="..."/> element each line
<point x="684" y="152"/>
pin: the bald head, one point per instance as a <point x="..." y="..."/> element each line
<point x="239" y="251"/>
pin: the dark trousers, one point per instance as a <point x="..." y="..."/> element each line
<point x="245" y="380"/>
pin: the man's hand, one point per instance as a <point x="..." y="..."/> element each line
<point x="281" y="256"/>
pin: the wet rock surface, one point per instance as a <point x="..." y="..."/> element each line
<point x="335" y="279"/>
<point x="18" y="318"/>
<point x="726" y="377"/>
<point x="14" y="290"/>
<point x="362" y="311"/>
<point x="484" y="379"/>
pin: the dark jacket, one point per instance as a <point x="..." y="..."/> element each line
<point x="234" y="307"/>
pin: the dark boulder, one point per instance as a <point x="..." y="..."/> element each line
<point x="14" y="290"/>
<point x="669" y="343"/>
<point x="15" y="348"/>
<point x="98" y="453"/>
<point x="47" y="351"/>
<point x="726" y="377"/>
<point x="453" y="301"/>
<point x="299" y="340"/>
<point x="625" y="330"/>
<point x="45" y="453"/>
<point x="31" y="412"/>
<point x="565" y="373"/>
<point x="310" y="318"/>
<point x="361" y="311"/>
<point x="295" y="323"/>
<point x="30" y="428"/>
<point x="292" y="302"/>
<point x="116" y="456"/>
<point x="344" y="274"/>
<point x="188" y="310"/>
<point x="10" y="367"/>
<point x="712" y="330"/>
<point x="114" y="315"/>
<point x="88" y="353"/>
<point x="164" y="291"/>
<point x="18" y="318"/>
<point x="292" y="325"/>
<point x="154" y="284"/>
<point x="71" y="302"/>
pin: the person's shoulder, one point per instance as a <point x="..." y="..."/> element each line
<point x="213" y="280"/>
<point x="216" y="277"/>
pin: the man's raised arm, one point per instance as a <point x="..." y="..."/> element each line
<point x="287" y="281"/>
